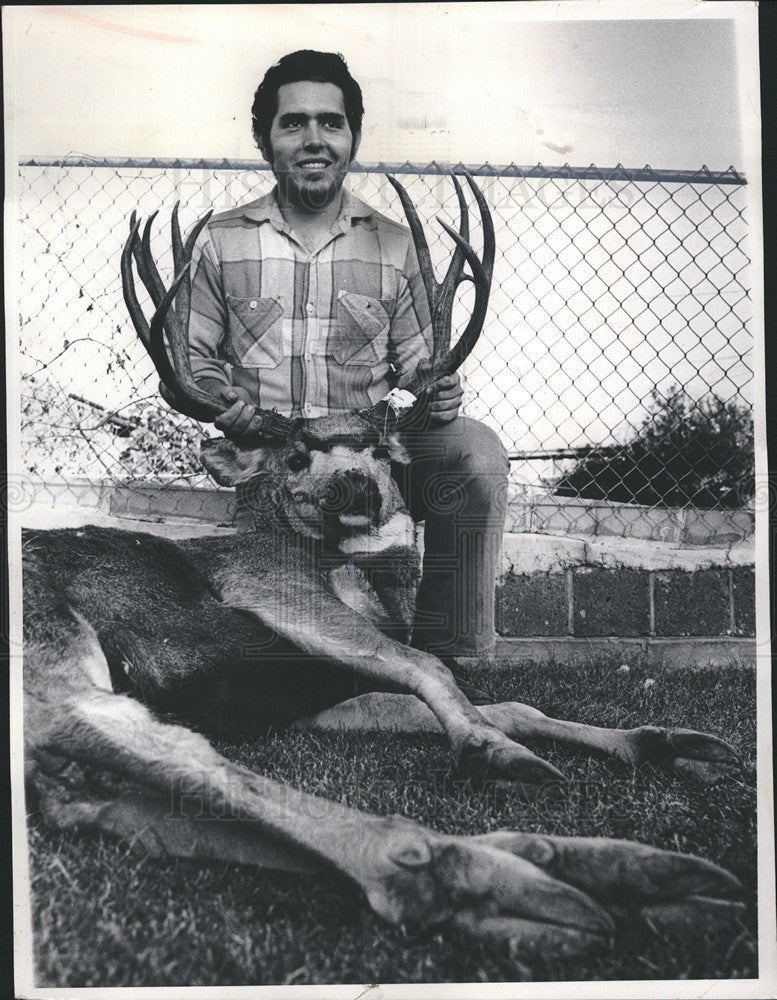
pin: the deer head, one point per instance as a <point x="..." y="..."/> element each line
<point x="327" y="477"/>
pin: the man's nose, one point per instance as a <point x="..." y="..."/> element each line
<point x="312" y="136"/>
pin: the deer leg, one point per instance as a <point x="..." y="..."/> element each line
<point x="375" y="711"/>
<point x="687" y="752"/>
<point x="697" y="755"/>
<point x="410" y="875"/>
<point x="321" y="626"/>
<point x="634" y="882"/>
<point x="161" y="826"/>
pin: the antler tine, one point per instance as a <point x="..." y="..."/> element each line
<point x="182" y="393"/>
<point x="160" y="359"/>
<point x="482" y="281"/>
<point x="419" y="239"/>
<point x="441" y="295"/>
<point x="128" y="284"/>
<point x="478" y="271"/>
<point x="457" y="260"/>
<point x="177" y="377"/>
<point x="151" y="336"/>
<point x="441" y="298"/>
<point x="149" y="275"/>
<point x="446" y="294"/>
<point x="176" y="323"/>
<point x="178" y="261"/>
<point x="182" y="385"/>
<point x="182" y="255"/>
<point x="487" y="221"/>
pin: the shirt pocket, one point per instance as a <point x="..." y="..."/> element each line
<point x="256" y="330"/>
<point x="361" y="331"/>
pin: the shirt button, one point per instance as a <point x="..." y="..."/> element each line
<point x="252" y="304"/>
<point x="309" y="307"/>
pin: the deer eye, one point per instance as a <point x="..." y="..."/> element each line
<point x="298" y="461"/>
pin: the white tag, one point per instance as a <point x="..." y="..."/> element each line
<point x="399" y="399"/>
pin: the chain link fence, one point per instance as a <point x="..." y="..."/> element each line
<point x="616" y="360"/>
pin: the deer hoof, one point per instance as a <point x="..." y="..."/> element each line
<point x="675" y="748"/>
<point x="511" y="762"/>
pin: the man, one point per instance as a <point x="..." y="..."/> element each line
<point x="310" y="302"/>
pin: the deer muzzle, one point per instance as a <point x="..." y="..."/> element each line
<point x="353" y="499"/>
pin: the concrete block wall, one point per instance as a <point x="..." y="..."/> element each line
<point x="564" y="586"/>
<point x="553" y="515"/>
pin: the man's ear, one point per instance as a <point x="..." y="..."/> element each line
<point x="266" y="150"/>
<point x="397" y="450"/>
<point x="229" y="464"/>
<point x="355" y="144"/>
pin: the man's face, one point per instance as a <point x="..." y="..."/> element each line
<point x="310" y="143"/>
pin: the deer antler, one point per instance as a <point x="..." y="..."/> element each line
<point x="174" y="368"/>
<point x="441" y="296"/>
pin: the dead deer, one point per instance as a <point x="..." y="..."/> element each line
<point x="270" y="628"/>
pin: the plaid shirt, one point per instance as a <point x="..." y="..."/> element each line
<point x="308" y="334"/>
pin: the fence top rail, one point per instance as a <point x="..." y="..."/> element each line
<point x="617" y="173"/>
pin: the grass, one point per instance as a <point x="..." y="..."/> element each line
<point x="104" y="916"/>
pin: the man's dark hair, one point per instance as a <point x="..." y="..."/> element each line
<point x="306" y="64"/>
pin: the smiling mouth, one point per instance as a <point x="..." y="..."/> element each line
<point x="313" y="165"/>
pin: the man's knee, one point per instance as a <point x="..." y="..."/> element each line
<point x="481" y="449"/>
<point x="482" y="463"/>
<point x="477" y="461"/>
<point x="461" y="442"/>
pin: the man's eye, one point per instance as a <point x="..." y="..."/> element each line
<point x="292" y="123"/>
<point x="334" y="126"/>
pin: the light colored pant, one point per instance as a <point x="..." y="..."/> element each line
<point x="457" y="485"/>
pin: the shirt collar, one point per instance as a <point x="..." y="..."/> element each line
<point x="353" y="210"/>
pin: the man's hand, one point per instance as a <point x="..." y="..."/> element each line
<point x="446" y="396"/>
<point x="235" y="422"/>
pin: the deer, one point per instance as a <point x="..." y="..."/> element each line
<point x="271" y="628"/>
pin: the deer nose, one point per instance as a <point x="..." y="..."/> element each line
<point x="352" y="492"/>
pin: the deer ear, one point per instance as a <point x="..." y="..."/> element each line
<point x="228" y="463"/>
<point x="397" y="450"/>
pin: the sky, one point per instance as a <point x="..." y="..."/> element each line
<point x="450" y="82"/>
